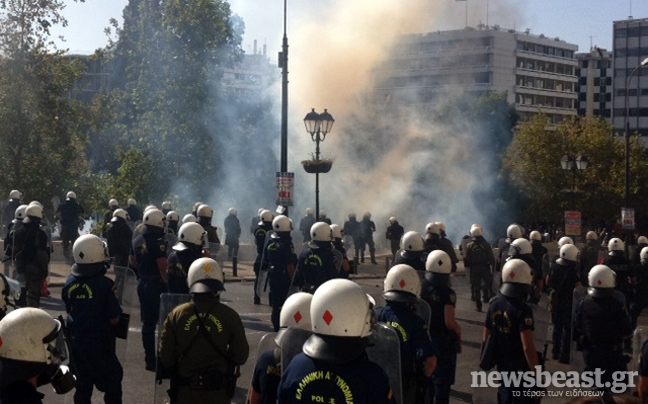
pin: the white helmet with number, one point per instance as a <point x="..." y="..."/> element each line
<point x="642" y="240"/>
<point x="412" y="241"/>
<point x="113" y="203"/>
<point x="341" y="308"/>
<point x="438" y="262"/>
<point x="535" y="236"/>
<point x="205" y="276"/>
<point x="433" y="228"/>
<point x="119" y="213"/>
<point x="71" y="195"/>
<point x="616" y="244"/>
<point x="25" y="334"/>
<point x="321" y="231"/>
<point x="520" y="246"/>
<point x="154" y="217"/>
<point x="516" y="278"/>
<point x="295" y="312"/>
<point x="514" y="231"/>
<point x="402" y="284"/>
<point x="281" y="223"/>
<point x="191" y="233"/>
<point x="188" y="218"/>
<point x="89" y="249"/>
<point x="602" y="280"/>
<point x="34" y="209"/>
<point x="565" y="240"/>
<point x="591" y="235"/>
<point x="20" y="212"/>
<point x="132" y="202"/>
<point x="337" y="231"/>
<point x="15" y="194"/>
<point x="569" y="252"/>
<point x="205" y="211"/>
<point x="172" y="216"/>
<point x="266" y="216"/>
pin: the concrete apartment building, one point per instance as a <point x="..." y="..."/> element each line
<point x="595" y="76"/>
<point x="630" y="47"/>
<point x="537" y="72"/>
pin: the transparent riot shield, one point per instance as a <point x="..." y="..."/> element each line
<point x="171" y="239"/>
<point x="291" y="344"/>
<point x="384" y="349"/>
<point x="424" y="311"/>
<point x="267" y="342"/>
<point x="576" y="361"/>
<point x="126" y="292"/>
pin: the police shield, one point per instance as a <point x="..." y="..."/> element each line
<point x="639" y="338"/>
<point x="126" y="292"/>
<point x="423" y="310"/>
<point x="576" y="361"/>
<point x="384" y="349"/>
<point x="291" y="344"/>
<point x="168" y="302"/>
<point x="267" y="342"/>
<point x="171" y="239"/>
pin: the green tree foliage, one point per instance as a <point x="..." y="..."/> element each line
<point x="533" y="163"/>
<point x="42" y="131"/>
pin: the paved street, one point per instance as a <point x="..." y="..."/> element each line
<point x="138" y="384"/>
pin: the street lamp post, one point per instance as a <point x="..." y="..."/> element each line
<point x="572" y="164"/>
<point x="318" y="126"/>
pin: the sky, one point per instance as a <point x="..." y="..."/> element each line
<point x="582" y="22"/>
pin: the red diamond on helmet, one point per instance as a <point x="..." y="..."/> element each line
<point x="512" y="274"/>
<point x="297" y="317"/>
<point x="402" y="283"/>
<point x="599" y="282"/>
<point x="328" y="317"/>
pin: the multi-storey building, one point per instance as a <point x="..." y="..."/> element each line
<point x="595" y="83"/>
<point x="630" y="99"/>
<point x="537" y="73"/>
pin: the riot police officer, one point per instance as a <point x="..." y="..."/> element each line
<point x="447" y="246"/>
<point x="295" y="314"/>
<point x="394" y="233"/>
<point x="260" y="236"/>
<point x="589" y="254"/>
<point x="352" y="229"/>
<point x="232" y="233"/>
<point x="563" y="277"/>
<point x="280" y="260"/>
<point x="9" y="248"/>
<point x="113" y="205"/>
<point x="432" y="237"/>
<point x="412" y="252"/>
<point x="513" y="232"/>
<point x="134" y="212"/>
<point x="617" y="261"/>
<point x="10" y="208"/>
<point x="338" y="245"/>
<point x="480" y="261"/>
<point x="306" y="223"/>
<point x="93" y="311"/>
<point x="367" y="229"/>
<point x="172" y="220"/>
<point x="324" y="218"/>
<point x="316" y="262"/>
<point x="28" y="358"/>
<point x="342" y="318"/>
<point x="150" y="259"/>
<point x="119" y="237"/>
<point x="402" y="288"/>
<point x="70" y="214"/>
<point x="166" y="207"/>
<point x="203" y="342"/>
<point x="444" y="329"/>
<point x="508" y="331"/>
<point x="641" y="296"/>
<point x="538" y="251"/>
<point x="602" y="324"/>
<point x="191" y="240"/>
<point x="205" y="214"/>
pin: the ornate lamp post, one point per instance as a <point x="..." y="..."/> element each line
<point x="572" y="164"/>
<point x="318" y="126"/>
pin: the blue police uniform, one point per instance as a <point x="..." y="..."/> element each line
<point x="316" y="265"/>
<point x="506" y="318"/>
<point x="266" y="376"/>
<point x="259" y="240"/>
<point x="602" y="323"/>
<point x="415" y="343"/>
<point x="438" y="294"/>
<point x="280" y="261"/>
<point x="148" y="247"/>
<point x="624" y="274"/>
<point x="308" y="380"/>
<point x="91" y="303"/>
<point x="563" y="278"/>
<point x="415" y="259"/>
<point x="177" y="267"/>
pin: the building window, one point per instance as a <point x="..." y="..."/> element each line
<point x="621" y="33"/>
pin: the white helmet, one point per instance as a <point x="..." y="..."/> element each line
<point x="232" y="211"/>
<point x="71" y="195"/>
<point x="205" y="211"/>
<point x="20" y="212"/>
<point x="591" y="235"/>
<point x="113" y="203"/>
<point x="295" y="311"/>
<point x="322" y="213"/>
<point x="15" y="194"/>
<point x="172" y="216"/>
<point x="121" y="213"/>
<point x="441" y="226"/>
<point x="616" y="244"/>
<point x="643" y="255"/>
<point x="26" y="333"/>
<point x="188" y="218"/>
<point x="192" y="233"/>
<point x="393" y="219"/>
<point x="166" y="205"/>
<point x="266" y="216"/>
<point x="521" y="246"/>
<point x="281" y="223"/>
<point x="205" y="276"/>
<point x="642" y="240"/>
<point x="154" y="217"/>
<point x="438" y="262"/>
<point x="309" y="211"/>
<point x="89" y="249"/>
<point x="149" y="207"/>
<point x="569" y="252"/>
<point x="516" y="278"/>
<point x="352" y="215"/>
<point x="34" y="210"/>
<point x="535" y="236"/>
<point x="514" y="231"/>
<point x="367" y="215"/>
<point x="321" y="231"/>
<point x="132" y="202"/>
<point x="433" y="228"/>
<point x="341" y="308"/>
<point x="601" y="277"/>
<point x="476" y="231"/>
<point x="402" y="284"/>
<point x="565" y="240"/>
<point x="412" y="241"/>
<point x="337" y="231"/>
